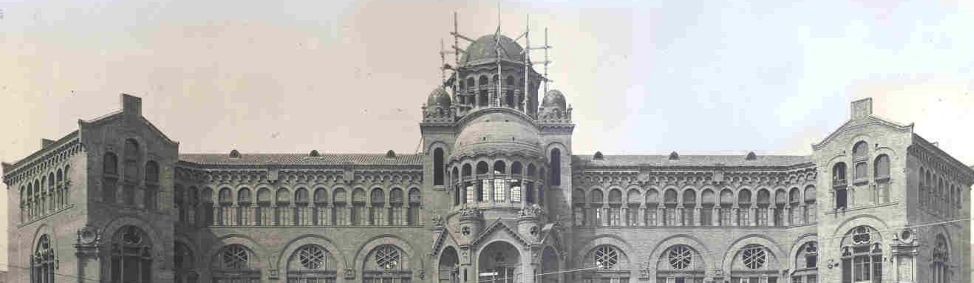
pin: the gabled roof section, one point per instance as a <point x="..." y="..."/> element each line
<point x="10" y="167"/>
<point x="131" y="105"/>
<point x="861" y="116"/>
<point x="302" y="159"/>
<point x="690" y="161"/>
<point x="440" y="239"/>
<point x="966" y="170"/>
<point x="499" y="225"/>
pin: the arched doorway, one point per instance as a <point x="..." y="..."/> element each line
<point x="549" y="266"/>
<point x="449" y="266"/>
<point x="499" y="262"/>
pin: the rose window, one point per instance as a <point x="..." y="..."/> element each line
<point x="235" y="257"/>
<point x="754" y="258"/>
<point x="680" y="257"/>
<point x="606" y="257"/>
<point x="312" y="257"/>
<point x="860" y="235"/>
<point x="387" y="257"/>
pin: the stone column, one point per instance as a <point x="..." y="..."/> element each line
<point x="642" y="216"/>
<point x="787" y="216"/>
<point x="660" y="218"/>
<point x="735" y="216"/>
<point x="696" y="217"/>
<point x="679" y="215"/>
<point x="752" y="213"/>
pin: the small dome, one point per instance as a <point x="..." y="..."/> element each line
<point x="497" y="131"/>
<point x="554" y="98"/>
<point x="482" y="50"/>
<point x="438" y="97"/>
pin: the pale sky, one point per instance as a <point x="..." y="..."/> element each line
<point x="350" y="76"/>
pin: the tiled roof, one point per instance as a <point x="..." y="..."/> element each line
<point x="301" y="159"/>
<point x="689" y="160"/>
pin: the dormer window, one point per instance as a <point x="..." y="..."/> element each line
<point x="234" y="154"/>
<point x="674" y="156"/>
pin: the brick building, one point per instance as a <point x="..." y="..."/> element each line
<point x="496" y="194"/>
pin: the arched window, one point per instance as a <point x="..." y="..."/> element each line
<point x="235" y="264"/>
<point x="795" y="200"/>
<point x="184" y="264"/>
<point x="753" y="262"/>
<point x="301" y="213"/>
<point x="859" y="155"/>
<point x="312" y="264"/>
<point x="839" y="186"/>
<point x="283" y="207"/>
<point x="726" y="205"/>
<point x="109" y="182"/>
<point x="225" y="213"/>
<point x="264" y="207"/>
<point x="500" y="167"/>
<point x="131" y="256"/>
<point x="882" y="178"/>
<point x="438" y="170"/>
<point x="707" y="202"/>
<point x="482" y="168"/>
<point x="378" y="213"/>
<point x="59" y="190"/>
<point x="862" y="255"/>
<point x="615" y="207"/>
<point x="131" y="173"/>
<point x="679" y="263"/>
<point x="243" y="207"/>
<point x="652" y="205"/>
<point x="605" y="263"/>
<point x="386" y="263"/>
<point x="941" y="261"/>
<point x="810" y="209"/>
<point x="42" y="262"/>
<point x="321" y="211"/>
<point x="396" y="200"/>
<point x="634" y="199"/>
<point x="744" y="205"/>
<point x="555" y="166"/>
<point x="578" y="207"/>
<point x="151" y="185"/>
<point x="689" y="204"/>
<point x="179" y="201"/>
<point x="780" y="202"/>
<point x="516" y="168"/>
<point x="669" y="212"/>
<point x="358" y="207"/>
<point x="415" y="200"/>
<point x="339" y="213"/>
<point x="596" y="199"/>
<point x="193" y="204"/>
<point x="606" y="257"/>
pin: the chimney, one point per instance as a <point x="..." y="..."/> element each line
<point x="46" y="143"/>
<point x="862" y="108"/>
<point x="131" y="105"/>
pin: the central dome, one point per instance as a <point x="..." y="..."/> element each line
<point x="482" y="50"/>
<point x="498" y="132"/>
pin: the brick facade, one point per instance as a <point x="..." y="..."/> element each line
<point x="497" y="193"/>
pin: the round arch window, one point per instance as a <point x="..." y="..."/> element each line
<point x="680" y="257"/>
<point x="606" y="257"/>
<point x="754" y="257"/>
